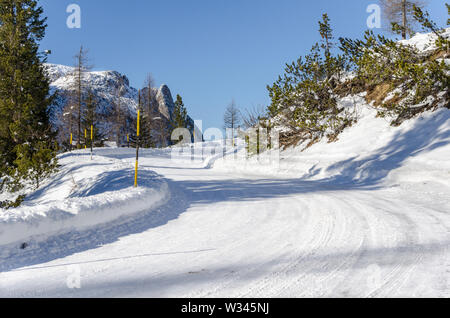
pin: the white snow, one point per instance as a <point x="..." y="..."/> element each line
<point x="370" y="151"/>
<point x="367" y="216"/>
<point x="85" y="193"/>
<point x="102" y="82"/>
<point x="425" y="42"/>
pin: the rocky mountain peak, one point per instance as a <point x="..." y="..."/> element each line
<point x="104" y="84"/>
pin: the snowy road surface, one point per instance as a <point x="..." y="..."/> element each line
<point x="366" y="216"/>
<point x="230" y="235"/>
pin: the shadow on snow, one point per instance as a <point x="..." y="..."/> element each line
<point x="355" y="173"/>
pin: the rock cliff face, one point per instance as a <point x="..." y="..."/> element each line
<point x="104" y="84"/>
<point x="165" y="100"/>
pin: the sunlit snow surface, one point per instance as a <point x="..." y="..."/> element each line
<point x="367" y="216"/>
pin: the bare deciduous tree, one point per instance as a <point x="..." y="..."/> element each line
<point x="72" y="114"/>
<point x="400" y="12"/>
<point x="79" y="86"/>
<point x="251" y="117"/>
<point x="232" y="118"/>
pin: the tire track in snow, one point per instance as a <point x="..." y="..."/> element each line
<point x="278" y="280"/>
<point x="391" y="262"/>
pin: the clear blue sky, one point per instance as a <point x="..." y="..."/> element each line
<point x="208" y="51"/>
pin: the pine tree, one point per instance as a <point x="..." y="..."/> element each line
<point x="26" y="138"/>
<point x="304" y="94"/>
<point x="326" y="32"/>
<point x="146" y="130"/>
<point x="91" y="120"/>
<point x="36" y="162"/>
<point x="423" y="18"/>
<point x="381" y="61"/>
<point x="448" y="11"/>
<point x="179" y="116"/>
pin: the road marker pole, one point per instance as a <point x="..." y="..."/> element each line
<point x="137" y="142"/>
<point x="92" y="140"/>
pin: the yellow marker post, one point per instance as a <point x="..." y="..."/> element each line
<point x="71" y="141"/>
<point x="92" y="139"/>
<point x="138" y="121"/>
<point x="135" y="174"/>
<point x="85" y="138"/>
<point x="137" y="146"/>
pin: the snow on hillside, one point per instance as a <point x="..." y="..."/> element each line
<point x="370" y="152"/>
<point x="103" y="84"/>
<point x="425" y="42"/>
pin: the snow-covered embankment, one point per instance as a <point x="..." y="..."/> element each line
<point x="85" y="193"/>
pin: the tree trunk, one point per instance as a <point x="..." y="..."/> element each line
<point x="79" y="101"/>
<point x="118" y="122"/>
<point x="404" y="19"/>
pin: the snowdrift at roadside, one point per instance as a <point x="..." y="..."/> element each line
<point x="369" y="152"/>
<point x="84" y="194"/>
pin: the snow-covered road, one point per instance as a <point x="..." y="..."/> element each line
<point x="225" y="234"/>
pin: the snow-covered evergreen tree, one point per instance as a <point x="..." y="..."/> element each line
<point x="26" y="139"/>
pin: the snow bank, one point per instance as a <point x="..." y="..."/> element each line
<point x="368" y="153"/>
<point x="83" y="195"/>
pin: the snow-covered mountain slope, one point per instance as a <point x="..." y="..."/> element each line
<point x="367" y="216"/>
<point x="104" y="84"/>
